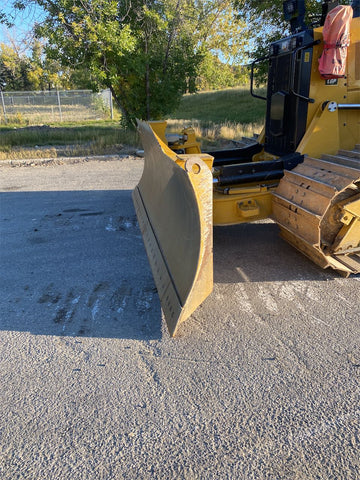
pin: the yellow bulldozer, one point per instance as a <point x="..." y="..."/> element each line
<point x="303" y="171"/>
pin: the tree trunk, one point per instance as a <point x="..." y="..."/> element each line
<point x="147" y="80"/>
<point x="125" y="113"/>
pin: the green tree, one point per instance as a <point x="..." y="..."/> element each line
<point x="221" y="31"/>
<point x="14" y="68"/>
<point x="215" y="74"/>
<point x="31" y="71"/>
<point x="46" y="73"/>
<point x="224" y="37"/>
<point x="148" y="52"/>
<point x="143" y="50"/>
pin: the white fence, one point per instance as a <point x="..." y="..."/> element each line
<point x="55" y="106"/>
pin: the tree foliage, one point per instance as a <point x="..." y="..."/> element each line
<point x="45" y="73"/>
<point x="214" y="74"/>
<point x="224" y="37"/>
<point x="148" y="52"/>
<point x="13" y="69"/>
<point x="32" y="71"/>
<point x="143" y="50"/>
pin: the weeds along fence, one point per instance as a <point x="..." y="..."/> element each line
<point x="39" y="107"/>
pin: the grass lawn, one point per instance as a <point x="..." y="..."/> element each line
<point x="233" y="105"/>
<point x="91" y="138"/>
<point x="220" y="115"/>
<point x="217" y="116"/>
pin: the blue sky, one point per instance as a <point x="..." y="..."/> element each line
<point x="23" y="21"/>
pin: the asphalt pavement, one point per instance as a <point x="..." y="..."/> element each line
<point x="261" y="382"/>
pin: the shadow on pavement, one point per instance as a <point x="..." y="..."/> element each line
<point x="74" y="264"/>
<point x="255" y="252"/>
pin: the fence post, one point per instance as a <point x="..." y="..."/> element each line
<point x="111" y="105"/>
<point x="59" y="103"/>
<point x="3" y="105"/>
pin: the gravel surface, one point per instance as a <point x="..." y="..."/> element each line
<point x="262" y="382"/>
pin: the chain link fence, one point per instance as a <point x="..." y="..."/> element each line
<point x="42" y="107"/>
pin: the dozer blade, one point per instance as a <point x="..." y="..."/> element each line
<point x="173" y="203"/>
<point x="317" y="206"/>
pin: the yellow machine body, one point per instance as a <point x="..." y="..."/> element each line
<point x="316" y="204"/>
<point x="332" y="129"/>
<point x="174" y="210"/>
<point x="313" y="201"/>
